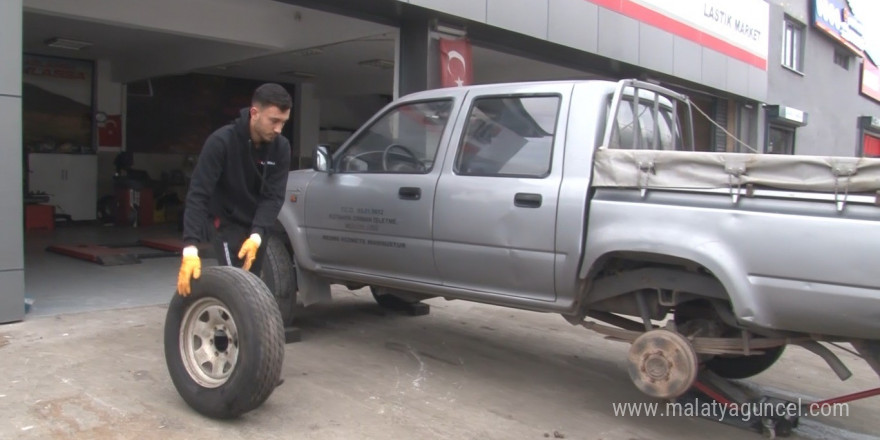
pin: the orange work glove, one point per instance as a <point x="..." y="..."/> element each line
<point x="248" y="251"/>
<point x="190" y="268"/>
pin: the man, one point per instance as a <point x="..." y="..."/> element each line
<point x="238" y="186"/>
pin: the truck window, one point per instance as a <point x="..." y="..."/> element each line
<point x="509" y="136"/>
<point x="403" y="140"/>
<point x="667" y="136"/>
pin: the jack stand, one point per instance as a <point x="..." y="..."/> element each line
<point x="715" y="398"/>
<point x="292" y="334"/>
<point x="412" y="309"/>
<point x="399" y="301"/>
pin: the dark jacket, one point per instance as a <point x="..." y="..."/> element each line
<point x="236" y="181"/>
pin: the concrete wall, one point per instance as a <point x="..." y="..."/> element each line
<point x="827" y="92"/>
<point x="11" y="185"/>
<point x="587" y="26"/>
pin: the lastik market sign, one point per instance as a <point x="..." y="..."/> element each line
<point x="834" y="18"/>
<point x="743" y="24"/>
<point x="737" y="29"/>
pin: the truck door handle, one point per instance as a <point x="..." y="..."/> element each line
<point x="409" y="193"/>
<point x="527" y="200"/>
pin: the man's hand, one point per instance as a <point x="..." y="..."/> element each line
<point x="190" y="268"/>
<point x="248" y="251"/>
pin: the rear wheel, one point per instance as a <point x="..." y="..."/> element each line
<point x="700" y="316"/>
<point x="224" y="343"/>
<point x="279" y="274"/>
<point x="741" y="367"/>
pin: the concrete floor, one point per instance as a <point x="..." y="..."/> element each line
<point x="465" y="371"/>
<point x="88" y="363"/>
<point x="61" y="284"/>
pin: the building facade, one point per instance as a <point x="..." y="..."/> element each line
<point x="822" y="79"/>
<point x="779" y="76"/>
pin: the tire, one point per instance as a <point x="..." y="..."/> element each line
<point x="728" y="367"/>
<point x="279" y="275"/>
<point x="741" y="367"/>
<point x="235" y="312"/>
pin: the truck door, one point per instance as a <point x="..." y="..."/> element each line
<point x="496" y="202"/>
<point x="373" y="214"/>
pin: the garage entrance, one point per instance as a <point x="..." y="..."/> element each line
<point x="142" y="86"/>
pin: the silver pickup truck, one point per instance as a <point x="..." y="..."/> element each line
<point x="588" y="199"/>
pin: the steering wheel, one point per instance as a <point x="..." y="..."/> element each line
<point x="415" y="160"/>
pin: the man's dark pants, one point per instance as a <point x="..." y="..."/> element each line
<point x="227" y="238"/>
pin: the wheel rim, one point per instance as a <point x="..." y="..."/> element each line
<point x="209" y="342"/>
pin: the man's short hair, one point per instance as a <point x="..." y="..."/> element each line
<point x="272" y="94"/>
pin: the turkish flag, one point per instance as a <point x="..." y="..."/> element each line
<point x="110" y="131"/>
<point x="455" y="63"/>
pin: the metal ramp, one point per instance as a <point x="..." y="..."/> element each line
<point x="123" y="253"/>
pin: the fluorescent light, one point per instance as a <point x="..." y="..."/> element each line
<point x="227" y="66"/>
<point x="449" y="30"/>
<point x="297" y="74"/>
<point x="67" y="43"/>
<point x="378" y="63"/>
<point x="308" y="52"/>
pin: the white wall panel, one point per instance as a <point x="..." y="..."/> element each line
<point x="469" y="9"/>
<point x="524" y="16"/>
<point x="574" y="23"/>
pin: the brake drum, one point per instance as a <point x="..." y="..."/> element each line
<point x="662" y="364"/>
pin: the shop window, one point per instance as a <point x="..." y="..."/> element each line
<point x="665" y="137"/>
<point x="870" y="136"/>
<point x="871" y="146"/>
<point x="509" y="136"/>
<point x="793" y="45"/>
<point x="780" y="140"/>
<point x="841" y="58"/>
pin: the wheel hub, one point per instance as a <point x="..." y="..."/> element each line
<point x="220" y="341"/>
<point x="656" y="366"/>
<point x="209" y="342"/>
<point x="662" y="364"/>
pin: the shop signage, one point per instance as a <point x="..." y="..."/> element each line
<point x="56" y="104"/>
<point x="58" y="68"/>
<point x="787" y="115"/>
<point x="744" y="24"/>
<point x="736" y="29"/>
<point x="870" y="84"/>
<point x="835" y="18"/>
<point x="870" y="122"/>
<point x="456" y="68"/>
<point x="792" y="114"/>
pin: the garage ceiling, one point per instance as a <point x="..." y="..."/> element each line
<point x="342" y="55"/>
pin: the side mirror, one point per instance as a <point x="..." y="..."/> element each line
<point x="321" y="160"/>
